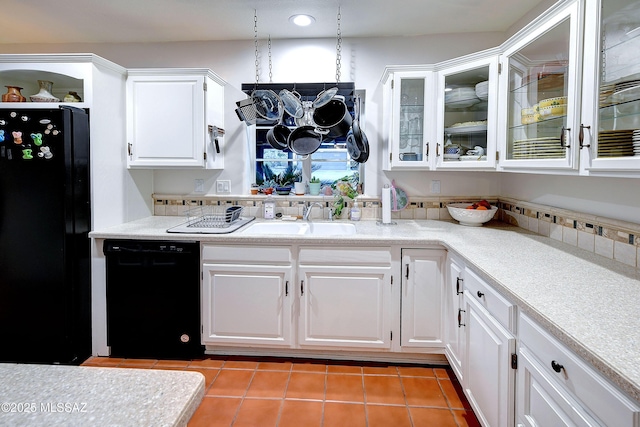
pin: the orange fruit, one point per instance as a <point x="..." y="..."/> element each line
<point x="470" y="207"/>
<point x="482" y="208"/>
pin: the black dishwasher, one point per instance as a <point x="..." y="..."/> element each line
<point x="153" y="299"/>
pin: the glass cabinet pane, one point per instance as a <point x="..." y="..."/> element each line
<point x="538" y="82"/>
<point x="412" y="120"/>
<point x="619" y="98"/>
<point x="466" y="97"/>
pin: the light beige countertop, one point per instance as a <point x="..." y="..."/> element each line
<point x="54" y="395"/>
<point x="589" y="302"/>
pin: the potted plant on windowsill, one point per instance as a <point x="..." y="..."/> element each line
<point x="314" y="186"/>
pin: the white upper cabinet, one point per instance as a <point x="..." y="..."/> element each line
<point x="611" y="91"/>
<point x="174" y="117"/>
<point x="540" y="94"/>
<point x="409" y="117"/>
<point x="467" y="107"/>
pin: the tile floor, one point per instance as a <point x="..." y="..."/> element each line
<point x="307" y="393"/>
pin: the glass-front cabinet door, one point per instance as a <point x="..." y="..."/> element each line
<point x="539" y="84"/>
<point x="611" y="107"/>
<point x="467" y="93"/>
<point x="409" y="111"/>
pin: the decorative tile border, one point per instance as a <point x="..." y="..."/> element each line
<point x="614" y="239"/>
<point x="618" y="240"/>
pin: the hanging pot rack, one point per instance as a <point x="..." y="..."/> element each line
<point x="269" y="103"/>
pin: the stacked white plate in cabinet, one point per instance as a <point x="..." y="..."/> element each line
<point x="461" y="97"/>
<point x="616" y="143"/>
<point x="482" y="90"/>
<point x="636" y="142"/>
<point x="538" y="148"/>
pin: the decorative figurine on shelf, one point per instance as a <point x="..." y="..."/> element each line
<point x="45" y="93"/>
<point x="72" y="97"/>
<point x="13" y="95"/>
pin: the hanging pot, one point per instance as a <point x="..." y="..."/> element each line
<point x="267" y="104"/>
<point x="305" y="140"/>
<point x="333" y="116"/>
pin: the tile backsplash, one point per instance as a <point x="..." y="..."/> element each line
<point x="608" y="237"/>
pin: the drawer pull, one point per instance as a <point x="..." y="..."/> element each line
<point x="556" y="366"/>
<point x="480" y="294"/>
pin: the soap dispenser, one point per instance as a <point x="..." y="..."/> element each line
<point x="355" y="211"/>
<point x="269" y="208"/>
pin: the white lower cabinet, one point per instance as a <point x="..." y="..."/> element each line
<point x="556" y="388"/>
<point x="345" y="298"/>
<point x="454" y="314"/>
<point x="422" y="298"/>
<point x="247" y="296"/>
<point x="489" y="379"/>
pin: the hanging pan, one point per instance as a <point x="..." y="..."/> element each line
<point x="278" y="135"/>
<point x="359" y="138"/>
<point x="305" y="140"/>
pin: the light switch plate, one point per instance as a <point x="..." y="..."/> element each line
<point x="223" y="186"/>
<point x="435" y="187"/>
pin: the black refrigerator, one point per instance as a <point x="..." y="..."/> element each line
<point x="45" y="273"/>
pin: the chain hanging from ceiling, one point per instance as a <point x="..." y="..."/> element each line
<point x="255" y="41"/>
<point x="270" y="65"/>
<point x="338" y="49"/>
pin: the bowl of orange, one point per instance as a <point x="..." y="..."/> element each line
<point x="472" y="214"/>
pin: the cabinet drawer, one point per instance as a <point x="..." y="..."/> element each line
<point x="345" y="256"/>
<point x="280" y="255"/>
<point x="580" y="380"/>
<point x="492" y="301"/>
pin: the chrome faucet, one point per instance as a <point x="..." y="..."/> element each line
<point x="307" y="210"/>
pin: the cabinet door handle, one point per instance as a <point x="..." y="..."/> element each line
<point x="460" y="324"/>
<point x="581" y="136"/>
<point x="406" y="275"/>
<point x="301" y="287"/>
<point x="562" y="137"/>
<point x="556" y="366"/>
<point x="286" y="288"/>
<point x="437" y="150"/>
<point x="480" y="294"/>
<point x="458" y="291"/>
<point x="129" y="146"/>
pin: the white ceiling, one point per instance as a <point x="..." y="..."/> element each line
<point x="122" y="21"/>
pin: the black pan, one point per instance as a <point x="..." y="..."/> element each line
<point x="278" y="135"/>
<point x="305" y="140"/>
<point x="359" y="138"/>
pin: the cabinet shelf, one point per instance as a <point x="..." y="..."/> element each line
<point x="548" y="83"/>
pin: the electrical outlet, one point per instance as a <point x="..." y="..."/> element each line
<point x="199" y="186"/>
<point x="223" y="186"/>
<point x="435" y="187"/>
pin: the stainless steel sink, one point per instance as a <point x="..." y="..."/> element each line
<point x="302" y="228"/>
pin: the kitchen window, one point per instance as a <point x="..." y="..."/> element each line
<point x="329" y="163"/>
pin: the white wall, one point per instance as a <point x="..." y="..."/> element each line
<point x="617" y="198"/>
<point x="304" y="60"/>
<point x="363" y="62"/>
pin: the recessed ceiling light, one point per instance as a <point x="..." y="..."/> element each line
<point x="302" y="20"/>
